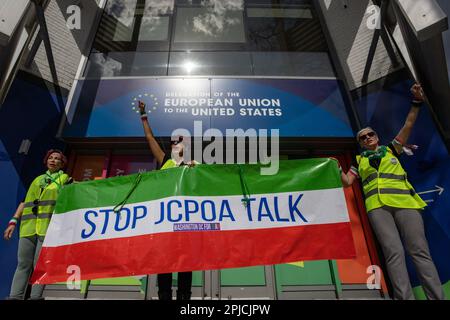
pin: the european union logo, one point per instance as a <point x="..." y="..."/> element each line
<point x="150" y="100"/>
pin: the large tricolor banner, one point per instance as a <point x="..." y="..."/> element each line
<point x="201" y="218"/>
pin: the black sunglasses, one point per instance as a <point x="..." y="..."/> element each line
<point x="174" y="143"/>
<point x="366" y="136"/>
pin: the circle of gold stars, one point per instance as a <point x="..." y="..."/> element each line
<point x="150" y="100"/>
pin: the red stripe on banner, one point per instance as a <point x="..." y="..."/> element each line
<point x="191" y="251"/>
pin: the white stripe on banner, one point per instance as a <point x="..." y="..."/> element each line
<point x="190" y="213"/>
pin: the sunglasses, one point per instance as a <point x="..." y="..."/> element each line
<point x="174" y="143"/>
<point x="367" y="136"/>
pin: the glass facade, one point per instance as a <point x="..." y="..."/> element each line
<point x="209" y="38"/>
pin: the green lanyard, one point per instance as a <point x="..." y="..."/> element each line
<point x="53" y="177"/>
<point x="380" y="153"/>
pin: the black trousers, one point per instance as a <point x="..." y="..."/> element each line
<point x="184" y="283"/>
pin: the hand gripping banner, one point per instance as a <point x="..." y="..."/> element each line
<point x="201" y="218"/>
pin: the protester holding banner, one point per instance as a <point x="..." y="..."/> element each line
<point x="165" y="161"/>
<point x="35" y="214"/>
<point x="394" y="207"/>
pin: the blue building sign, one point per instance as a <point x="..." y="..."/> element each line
<point x="298" y="108"/>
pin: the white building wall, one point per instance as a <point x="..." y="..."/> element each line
<point x="11" y="12"/>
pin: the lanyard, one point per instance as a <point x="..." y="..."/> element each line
<point x="58" y="184"/>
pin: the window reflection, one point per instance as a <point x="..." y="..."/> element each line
<point x="155" y="20"/>
<point x="209" y="37"/>
<point x="279" y="13"/>
<point x="127" y="23"/>
<point x="114" y="64"/>
<point x="211" y="23"/>
<point x="300" y="64"/>
<point x="210" y="63"/>
<point x="284" y="29"/>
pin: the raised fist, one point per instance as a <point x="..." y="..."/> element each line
<point x="418" y="93"/>
<point x="141" y="106"/>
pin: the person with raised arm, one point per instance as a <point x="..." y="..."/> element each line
<point x="166" y="161"/>
<point x="394" y="207"/>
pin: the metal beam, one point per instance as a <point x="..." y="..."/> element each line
<point x="425" y="17"/>
<point x="428" y="64"/>
<point x="12" y="13"/>
<point x="12" y="53"/>
<point x="382" y="32"/>
<point x="70" y="108"/>
<point x="34" y="49"/>
<point x="339" y="70"/>
<point x="43" y="32"/>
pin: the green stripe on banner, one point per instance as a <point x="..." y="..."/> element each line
<point x="420" y="294"/>
<point x="204" y="180"/>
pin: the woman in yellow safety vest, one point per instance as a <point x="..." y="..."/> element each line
<point x="35" y="214"/>
<point x="394" y="208"/>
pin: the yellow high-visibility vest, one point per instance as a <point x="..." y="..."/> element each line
<point x="172" y="164"/>
<point x="44" y="202"/>
<point x="169" y="164"/>
<point x="389" y="186"/>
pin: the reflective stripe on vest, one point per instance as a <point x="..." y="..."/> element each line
<point x="40" y="203"/>
<point x="374" y="176"/>
<point x="39" y="206"/>
<point x="389" y="186"/>
<point x="33" y="217"/>
<point x="389" y="191"/>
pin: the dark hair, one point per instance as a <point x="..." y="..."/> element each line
<point x="51" y="151"/>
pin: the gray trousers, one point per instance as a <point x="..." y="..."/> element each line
<point x="391" y="225"/>
<point x="27" y="256"/>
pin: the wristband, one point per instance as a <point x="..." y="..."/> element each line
<point x="13" y="222"/>
<point x="353" y="171"/>
<point x="398" y="141"/>
<point x="144" y="116"/>
<point x="417" y="103"/>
